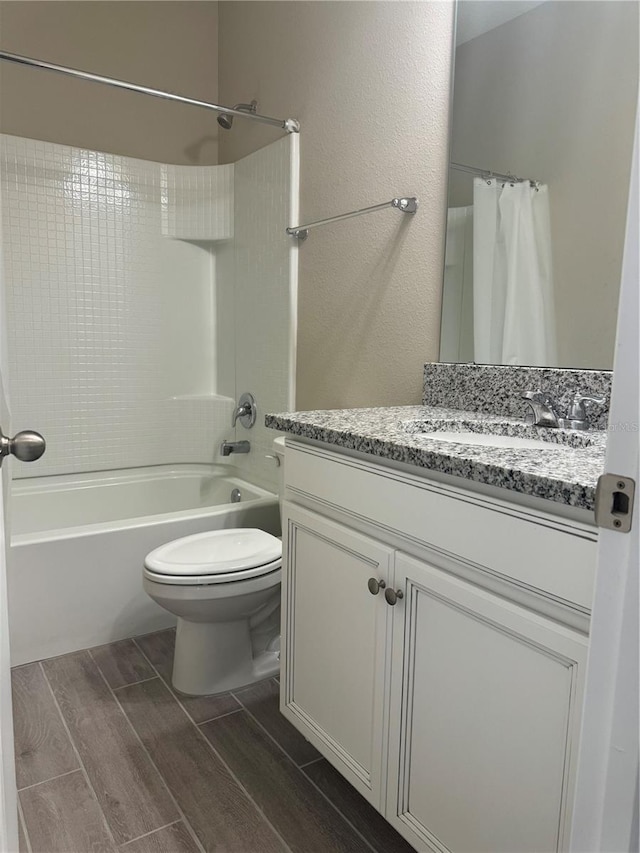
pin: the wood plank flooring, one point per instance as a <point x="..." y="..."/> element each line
<point x="110" y="758"/>
<point x="43" y="748"/>
<point x="128" y="787"/>
<point x="45" y="808"/>
<point x="171" y="839"/>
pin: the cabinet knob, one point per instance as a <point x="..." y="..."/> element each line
<point x="392" y="595"/>
<point x="375" y="585"/>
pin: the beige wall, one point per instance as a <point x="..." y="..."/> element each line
<point x="163" y="45"/>
<point x="552" y="94"/>
<point x="370" y="84"/>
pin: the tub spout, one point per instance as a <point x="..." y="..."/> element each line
<point x="229" y="447"/>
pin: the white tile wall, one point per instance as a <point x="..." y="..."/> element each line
<point x="225" y="312"/>
<point x="108" y="321"/>
<point x="122" y="342"/>
<point x="265" y="276"/>
<point x="197" y="202"/>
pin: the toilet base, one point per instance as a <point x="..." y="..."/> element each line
<point x="215" y="658"/>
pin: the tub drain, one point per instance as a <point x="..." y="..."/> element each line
<point x="236" y="496"/>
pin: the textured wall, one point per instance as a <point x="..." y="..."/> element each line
<point x="163" y="45"/>
<point x="568" y="121"/>
<point x="370" y="84"/>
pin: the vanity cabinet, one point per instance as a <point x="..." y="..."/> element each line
<point x="338" y="635"/>
<point x="454" y="709"/>
<point x="484" y="713"/>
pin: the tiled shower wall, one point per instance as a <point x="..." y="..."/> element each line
<point x="112" y="352"/>
<point x="264" y="260"/>
<point x="197" y="202"/>
<point x="136" y="315"/>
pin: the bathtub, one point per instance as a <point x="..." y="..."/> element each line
<point x="78" y="543"/>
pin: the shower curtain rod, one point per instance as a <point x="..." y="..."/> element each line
<point x="405" y="205"/>
<point x="291" y="125"/>
<point x="487" y="173"/>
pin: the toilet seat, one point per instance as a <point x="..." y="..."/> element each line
<point x="218" y="556"/>
<point x="220" y="580"/>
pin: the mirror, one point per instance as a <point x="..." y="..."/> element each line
<point x="543" y="111"/>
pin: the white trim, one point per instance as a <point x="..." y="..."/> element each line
<point x="606" y="813"/>
<point x="8" y="790"/>
<point x="294" y="214"/>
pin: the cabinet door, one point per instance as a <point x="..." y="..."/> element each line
<point x="334" y="652"/>
<point x="486" y="700"/>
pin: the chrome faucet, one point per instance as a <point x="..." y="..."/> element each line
<point x="577" y="416"/>
<point x="542" y="409"/>
<point x="245" y="411"/>
<point x="229" y="447"/>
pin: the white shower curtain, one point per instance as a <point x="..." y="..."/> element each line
<point x="514" y="317"/>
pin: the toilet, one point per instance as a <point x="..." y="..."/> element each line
<point x="224" y="587"/>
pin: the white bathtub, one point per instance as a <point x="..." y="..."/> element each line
<point x="79" y="541"/>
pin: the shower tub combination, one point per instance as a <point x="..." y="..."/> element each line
<point x="79" y="541"/>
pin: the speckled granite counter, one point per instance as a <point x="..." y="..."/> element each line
<point x="562" y="473"/>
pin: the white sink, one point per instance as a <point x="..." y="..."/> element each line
<point x="484" y="440"/>
<point x="509" y="434"/>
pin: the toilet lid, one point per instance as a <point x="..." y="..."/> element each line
<point x="217" y="552"/>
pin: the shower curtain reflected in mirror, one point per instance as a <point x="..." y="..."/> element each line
<point x="514" y="317"/>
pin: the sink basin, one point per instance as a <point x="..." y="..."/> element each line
<point x="489" y="440"/>
<point x="509" y="434"/>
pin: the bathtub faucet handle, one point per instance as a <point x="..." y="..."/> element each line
<point x="245" y="411"/>
<point x="27" y="446"/>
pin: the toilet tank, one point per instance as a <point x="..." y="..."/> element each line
<point x="278" y="450"/>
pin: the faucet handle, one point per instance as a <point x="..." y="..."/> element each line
<point x="245" y="411"/>
<point x="577" y="410"/>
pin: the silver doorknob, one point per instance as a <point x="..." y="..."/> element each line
<point x="375" y="585"/>
<point x="27" y="446"/>
<point x="392" y="595"/>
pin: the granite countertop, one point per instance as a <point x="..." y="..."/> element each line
<point x="566" y="473"/>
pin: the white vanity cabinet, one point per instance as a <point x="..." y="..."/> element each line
<point x="338" y="634"/>
<point x="484" y="713"/>
<point x="455" y="710"/>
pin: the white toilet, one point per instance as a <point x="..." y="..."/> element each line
<point x="224" y="587"/>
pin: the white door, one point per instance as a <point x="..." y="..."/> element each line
<point x="606" y="808"/>
<point x="8" y="796"/>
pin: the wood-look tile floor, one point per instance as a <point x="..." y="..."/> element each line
<point x="109" y="757"/>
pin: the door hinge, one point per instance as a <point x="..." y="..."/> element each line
<point x="614" y="502"/>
